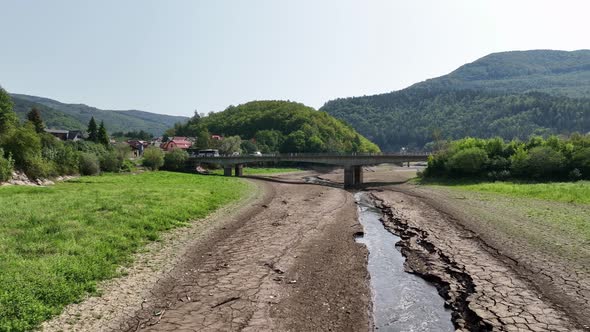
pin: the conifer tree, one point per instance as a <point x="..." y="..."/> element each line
<point x="103" y="137"/>
<point x="92" y="131"/>
<point x="34" y="116"/>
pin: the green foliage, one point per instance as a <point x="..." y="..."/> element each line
<point x="76" y="116"/>
<point x="35" y="118"/>
<point x="468" y="161"/>
<point x="537" y="159"/>
<point x="6" y="166"/>
<point x="92" y="131"/>
<point x="59" y="242"/>
<point x="110" y="162"/>
<point x="280" y="126"/>
<point x="103" y="137"/>
<point x="89" y="164"/>
<point x="230" y="145"/>
<point x="512" y="95"/>
<point x="7" y="116"/>
<point x="153" y="158"/>
<point x="134" y="134"/>
<point x="175" y="159"/>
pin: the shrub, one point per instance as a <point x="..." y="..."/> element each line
<point x="127" y="166"/>
<point x="6" y="166"/>
<point x="544" y="162"/>
<point x="469" y="161"/>
<point x="581" y="161"/>
<point x="110" y="162"/>
<point x="24" y="144"/>
<point x="175" y="159"/>
<point x="39" y="168"/>
<point x="153" y="158"/>
<point x="89" y="164"/>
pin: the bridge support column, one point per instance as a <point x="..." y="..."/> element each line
<point x="227" y="170"/>
<point x="349" y="177"/>
<point x="358" y="176"/>
<point x="239" y="170"/>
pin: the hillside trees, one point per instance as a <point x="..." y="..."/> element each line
<point x="278" y="126"/>
<point x="537" y="159"/>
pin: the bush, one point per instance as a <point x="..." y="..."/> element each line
<point x="89" y="164"/>
<point x="6" y="166"/>
<point x="153" y="158"/>
<point x="469" y="161"/>
<point x="39" y="168"/>
<point x="110" y="162"/>
<point x="24" y="144"/>
<point x="127" y="166"/>
<point x="581" y="161"/>
<point x="544" y="162"/>
<point x="175" y="159"/>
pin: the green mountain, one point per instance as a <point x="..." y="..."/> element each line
<point x="510" y="94"/>
<point x="280" y="126"/>
<point x="76" y="116"/>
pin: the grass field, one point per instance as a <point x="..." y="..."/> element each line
<point x="260" y="170"/>
<point x="56" y="242"/>
<point x="570" y="192"/>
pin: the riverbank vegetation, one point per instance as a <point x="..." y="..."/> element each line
<point x="537" y="159"/>
<point x="28" y="148"/>
<point x="275" y="126"/>
<point x="57" y="242"/>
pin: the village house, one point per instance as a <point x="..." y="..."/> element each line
<point x="177" y="142"/>
<point x="66" y="135"/>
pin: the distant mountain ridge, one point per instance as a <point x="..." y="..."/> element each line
<point x="554" y="72"/>
<point x="508" y="94"/>
<point x="76" y="116"/>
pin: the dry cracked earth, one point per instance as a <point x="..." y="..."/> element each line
<point x="287" y="261"/>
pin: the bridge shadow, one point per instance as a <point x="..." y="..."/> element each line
<point x="324" y="182"/>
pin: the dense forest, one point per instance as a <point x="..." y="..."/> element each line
<point x="277" y="126"/>
<point x="536" y="159"/>
<point x="487" y="98"/>
<point x="75" y="116"/>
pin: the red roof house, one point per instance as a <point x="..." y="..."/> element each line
<point x="177" y="142"/>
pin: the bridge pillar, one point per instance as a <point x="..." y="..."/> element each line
<point x="358" y="175"/>
<point x="239" y="170"/>
<point x="227" y="170"/>
<point x="349" y="177"/>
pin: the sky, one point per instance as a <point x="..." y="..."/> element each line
<point x="175" y="57"/>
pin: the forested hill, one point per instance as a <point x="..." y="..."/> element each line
<point x="555" y="72"/>
<point x="279" y="126"/>
<point x="497" y="95"/>
<point x="76" y="116"/>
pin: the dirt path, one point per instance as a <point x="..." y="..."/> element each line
<point x="287" y="261"/>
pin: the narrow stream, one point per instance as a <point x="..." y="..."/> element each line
<point x="401" y="301"/>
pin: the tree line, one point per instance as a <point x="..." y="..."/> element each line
<point x="416" y="118"/>
<point x="536" y="159"/>
<point x="28" y="148"/>
<point x="274" y="126"/>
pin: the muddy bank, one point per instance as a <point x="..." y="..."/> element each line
<point x="484" y="293"/>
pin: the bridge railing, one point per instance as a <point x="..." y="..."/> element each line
<point x="324" y="155"/>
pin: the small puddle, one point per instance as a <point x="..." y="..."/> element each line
<point x="319" y="180"/>
<point x="401" y="301"/>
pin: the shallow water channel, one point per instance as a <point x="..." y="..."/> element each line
<point x="401" y="301"/>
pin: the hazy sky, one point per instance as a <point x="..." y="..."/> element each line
<point x="174" y="56"/>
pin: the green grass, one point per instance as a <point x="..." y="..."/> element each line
<point x="260" y="170"/>
<point x="570" y="192"/>
<point x="57" y="242"/>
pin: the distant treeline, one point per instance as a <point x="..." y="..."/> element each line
<point x="537" y="159"/>
<point x="276" y="126"/>
<point x="416" y="118"/>
<point x="27" y="147"/>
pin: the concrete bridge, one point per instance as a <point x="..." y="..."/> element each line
<point x="352" y="163"/>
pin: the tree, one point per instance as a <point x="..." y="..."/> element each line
<point x="468" y="162"/>
<point x="153" y="158"/>
<point x="231" y="145"/>
<point x="103" y="136"/>
<point x="203" y="138"/>
<point x="175" y="160"/>
<point x="34" y="116"/>
<point x="92" y="131"/>
<point x="8" y="118"/>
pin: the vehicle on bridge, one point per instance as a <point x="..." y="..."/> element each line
<point x="208" y="153"/>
